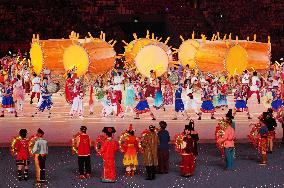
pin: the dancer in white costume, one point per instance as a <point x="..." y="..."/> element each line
<point x="78" y="105"/>
<point x="190" y="99"/>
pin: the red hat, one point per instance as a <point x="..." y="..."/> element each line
<point x="130" y="128"/>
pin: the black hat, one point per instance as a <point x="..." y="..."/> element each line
<point x="83" y="128"/>
<point x="230" y="114"/>
<point x="39" y="131"/>
<point x="190" y="126"/>
<point x="163" y="124"/>
<point x="109" y="130"/>
<point x="23" y="133"/>
<point x="152" y="127"/>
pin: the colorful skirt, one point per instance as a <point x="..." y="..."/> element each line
<point x="130" y="157"/>
<point x="207" y="107"/>
<point x="179" y="106"/>
<point x="276" y="105"/>
<point x="187" y="165"/>
<point x="158" y="100"/>
<point x="262" y="147"/>
<point x="142" y="107"/>
<point x="8" y="102"/>
<point x="46" y="103"/>
<point x="241" y="106"/>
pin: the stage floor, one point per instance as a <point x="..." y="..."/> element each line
<point x="60" y="128"/>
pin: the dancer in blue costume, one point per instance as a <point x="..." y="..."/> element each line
<point x="45" y="101"/>
<point x="241" y="104"/>
<point x="142" y="106"/>
<point x="179" y="105"/>
<point x="7" y="99"/>
<point x="277" y="101"/>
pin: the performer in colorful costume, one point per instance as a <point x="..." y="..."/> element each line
<point x="271" y="125"/>
<point x="277" y="101"/>
<point x="130" y="149"/>
<point x="168" y="93"/>
<point x="241" y="104"/>
<point x="35" y="88"/>
<point x="45" y="101"/>
<point x="69" y="85"/>
<point x="263" y="132"/>
<point x="227" y="140"/>
<point x="142" y="106"/>
<point x="158" y="99"/>
<point x="107" y="152"/>
<point x="129" y="99"/>
<point x="179" y="105"/>
<point x="77" y="105"/>
<point x="99" y="94"/>
<point x="207" y="105"/>
<point x="40" y="151"/>
<point x="254" y="88"/>
<point x="20" y="148"/>
<point x="7" y="99"/>
<point x="187" y="165"/>
<point x="149" y="143"/>
<point x="84" y="153"/>
<point x="19" y="94"/>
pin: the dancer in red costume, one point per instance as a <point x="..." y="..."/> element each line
<point x="108" y="149"/>
<point x="69" y="84"/>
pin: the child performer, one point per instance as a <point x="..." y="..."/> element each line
<point x="21" y="150"/>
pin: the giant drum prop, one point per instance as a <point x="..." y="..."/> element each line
<point x="49" y="54"/>
<point x="101" y="56"/>
<point x="60" y="55"/>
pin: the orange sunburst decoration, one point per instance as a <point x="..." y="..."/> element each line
<point x="148" y="54"/>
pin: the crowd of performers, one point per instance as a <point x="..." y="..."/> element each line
<point x="153" y="144"/>
<point x="123" y="91"/>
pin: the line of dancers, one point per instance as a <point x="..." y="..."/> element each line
<point x="123" y="91"/>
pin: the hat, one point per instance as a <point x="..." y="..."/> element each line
<point x="130" y="128"/>
<point x="163" y="124"/>
<point x="108" y="130"/>
<point x="23" y="132"/>
<point x="83" y="128"/>
<point x="152" y="127"/>
<point x="190" y="125"/>
<point x="230" y="114"/>
<point x="39" y="131"/>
